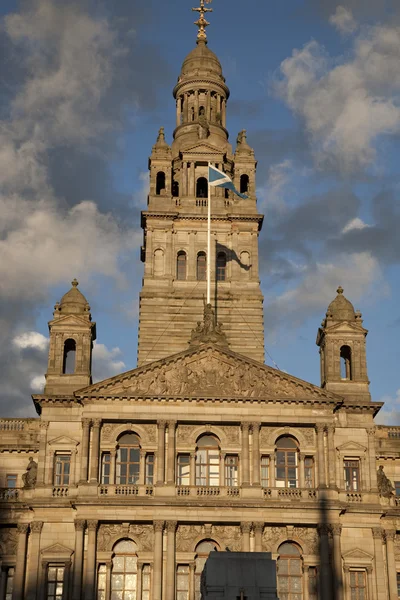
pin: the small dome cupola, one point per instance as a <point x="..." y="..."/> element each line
<point x="341" y="309"/>
<point x="73" y="302"/>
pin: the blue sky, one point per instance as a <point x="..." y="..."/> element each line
<point x="87" y="86"/>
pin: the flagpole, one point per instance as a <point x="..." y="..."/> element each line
<point x="209" y="239"/>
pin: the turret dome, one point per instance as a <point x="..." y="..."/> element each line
<point x="74" y="301"/>
<point x="341" y="309"/>
<point x="201" y="62"/>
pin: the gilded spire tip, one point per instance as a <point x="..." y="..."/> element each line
<point x="202" y="22"/>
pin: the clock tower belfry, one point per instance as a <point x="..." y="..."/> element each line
<point x="175" y="222"/>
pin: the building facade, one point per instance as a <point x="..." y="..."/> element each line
<point x="120" y="489"/>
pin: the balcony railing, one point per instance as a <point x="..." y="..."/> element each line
<point x="284" y="494"/>
<point x="207" y="491"/>
<point x="9" y="494"/>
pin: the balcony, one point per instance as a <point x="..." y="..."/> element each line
<point x="285" y="494"/>
<point x="9" y="494"/>
<point x="125" y="490"/>
<point x="212" y="491"/>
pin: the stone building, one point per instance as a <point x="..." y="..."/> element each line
<point x="120" y="489"/>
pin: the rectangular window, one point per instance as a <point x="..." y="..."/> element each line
<point x="231" y="471"/>
<point x="146" y="581"/>
<point x="309" y="472"/>
<point x="312" y="583"/>
<point x="182" y="582"/>
<point x="149" y="480"/>
<point x="183" y="469"/>
<point x="264" y="471"/>
<point x="11" y="481"/>
<point x="358" y="585"/>
<point x="62" y="469"/>
<point x="397" y="487"/>
<point x="352" y="475"/>
<point x="9" y="583"/>
<point x="55" y="582"/>
<point x="105" y="468"/>
<point x="101" y="582"/>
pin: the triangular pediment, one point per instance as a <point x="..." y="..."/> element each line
<point x="208" y="371"/>
<point x="203" y="148"/>
<point x="345" y="327"/>
<point x="351" y="447"/>
<point x="357" y="555"/>
<point x="57" y="550"/>
<point x="63" y="440"/>
<point x="73" y="320"/>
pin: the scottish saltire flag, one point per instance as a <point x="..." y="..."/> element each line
<point x="217" y="178"/>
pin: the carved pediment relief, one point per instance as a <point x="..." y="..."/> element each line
<point x="63" y="440"/>
<point x="351" y="448"/>
<point x="208" y="371"/>
<point x="57" y="550"/>
<point x="202" y="149"/>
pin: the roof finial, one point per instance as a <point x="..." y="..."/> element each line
<point x="75" y="283"/>
<point x="202" y="23"/>
<point x="340" y="290"/>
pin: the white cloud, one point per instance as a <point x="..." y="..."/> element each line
<point x="343" y="20"/>
<point x="37" y="383"/>
<point x="31" y="339"/>
<point x="355" y="223"/>
<point x="346" y="103"/>
<point x="106" y="363"/>
<point x="390" y="413"/>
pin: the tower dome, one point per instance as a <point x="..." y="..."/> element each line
<point x="201" y="62"/>
<point x="74" y="301"/>
<point x="341" y="309"/>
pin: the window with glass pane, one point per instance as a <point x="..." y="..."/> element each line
<point x="105" y="468"/>
<point x="101" y="582"/>
<point x="124" y="571"/>
<point x="9" y="583"/>
<point x="352" y="475"/>
<point x="149" y="469"/>
<point x="55" y="582"/>
<point x="182" y="582"/>
<point x="309" y="472"/>
<point x="312" y="583"/>
<point x="286" y="462"/>
<point x="207" y="461"/>
<point x="289" y="573"/>
<point x="183" y="469"/>
<point x="231" y="470"/>
<point x="127" y="465"/>
<point x="181" y="266"/>
<point x="201" y="266"/>
<point x="358" y="585"/>
<point x="62" y="469"/>
<point x="397" y="488"/>
<point x="146" y="582"/>
<point x="264" y="471"/>
<point x="203" y="549"/>
<point x="221" y="266"/>
<point x="11" y="481"/>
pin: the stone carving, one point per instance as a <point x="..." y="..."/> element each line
<point x="8" y="541"/>
<point x="151" y="432"/>
<point x="232" y="433"/>
<point x="209" y="330"/>
<point x="106" y="432"/>
<point x="204" y="127"/>
<point x="109" y="533"/>
<point x="385" y="486"/>
<point x="106" y="534"/>
<point x="308" y="435"/>
<point x="230" y="535"/>
<point x="396" y="546"/>
<point x="186" y="537"/>
<point x="271" y="537"/>
<point x="144" y="535"/>
<point x="29" y="478"/>
<point x="309" y="536"/>
<point x="183" y="434"/>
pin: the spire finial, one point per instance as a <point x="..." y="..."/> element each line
<point x="202" y="23"/>
<point x="340" y="290"/>
<point x="75" y="283"/>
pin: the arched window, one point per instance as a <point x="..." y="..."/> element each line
<point x="181" y="266"/>
<point x="128" y="459"/>
<point x="221" y="266"/>
<point x="202" y="188"/>
<point x="244" y="184"/>
<point x="207" y="461"/>
<point x="345" y="362"/>
<point x="286" y="461"/>
<point x="289" y="572"/>
<point x="202" y="111"/>
<point x="192" y="114"/>
<point x="124" y="570"/>
<point x="203" y="549"/>
<point x="175" y="189"/>
<point x="201" y="266"/>
<point x="160" y="182"/>
<point x="69" y="357"/>
<point x="158" y="262"/>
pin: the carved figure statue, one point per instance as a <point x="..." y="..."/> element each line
<point x="204" y="127"/>
<point x="29" y="478"/>
<point x="208" y="319"/>
<point x="241" y="137"/>
<point x="385" y="486"/>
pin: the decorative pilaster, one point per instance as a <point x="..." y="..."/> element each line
<point x="331" y="457"/>
<point x="271" y="473"/>
<point x="258" y="531"/>
<point x="324" y="561"/>
<point x="85" y="450"/>
<point x="222" y="457"/>
<point x="256" y="453"/>
<point x="245" y="454"/>
<point x="161" y="452"/>
<point x="245" y="529"/>
<point x="20" y="564"/>
<point x="157" y="559"/>
<point x="142" y="467"/>
<point x="34" y="554"/>
<point x="372" y="460"/>
<point x="44" y="425"/>
<point x="192" y="180"/>
<point x="170" y="567"/>
<point x="139" y="580"/>
<point x="78" y="559"/>
<point x="370" y="580"/>
<point x="301" y="469"/>
<point x="192" y="469"/>
<point x="380" y="583"/>
<point x="321" y="455"/>
<point x="391" y="564"/>
<point x="94" y="466"/>
<point x="336" y="529"/>
<point x="171" y="453"/>
<point x="91" y="560"/>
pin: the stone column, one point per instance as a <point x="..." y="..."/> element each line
<point x="34" y="554"/>
<point x="139" y="580"/>
<point x="245" y="454"/>
<point x="325" y="578"/>
<point x="258" y="531"/>
<point x="256" y="453"/>
<point x="85" y="450"/>
<point x="91" y="561"/>
<point x="184" y="191"/>
<point x="222" y="481"/>
<point x="142" y="467"/>
<point x="161" y="453"/>
<point x="94" y="465"/>
<point x="113" y="455"/>
<point x="157" y="559"/>
<point x="245" y="529"/>
<point x="78" y="558"/>
<point x="336" y="529"/>
<point x="171" y="453"/>
<point x="208" y="105"/>
<point x="321" y="456"/>
<point x="380" y="583"/>
<point x="372" y="460"/>
<point x="44" y="425"/>
<point x="20" y="563"/>
<point x="108" y="564"/>
<point x="331" y="456"/>
<point x="370" y="582"/>
<point x="391" y="564"/>
<point x="196" y="105"/>
<point x="178" y="111"/>
<point x="192" y="568"/>
<point x="223" y="111"/>
<point x="186" y="107"/>
<point x="301" y="470"/>
<point x="192" y="179"/>
<point x="305" y="582"/>
<point x="271" y="473"/>
<point x="170" y="567"/>
<point x="192" y="469"/>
